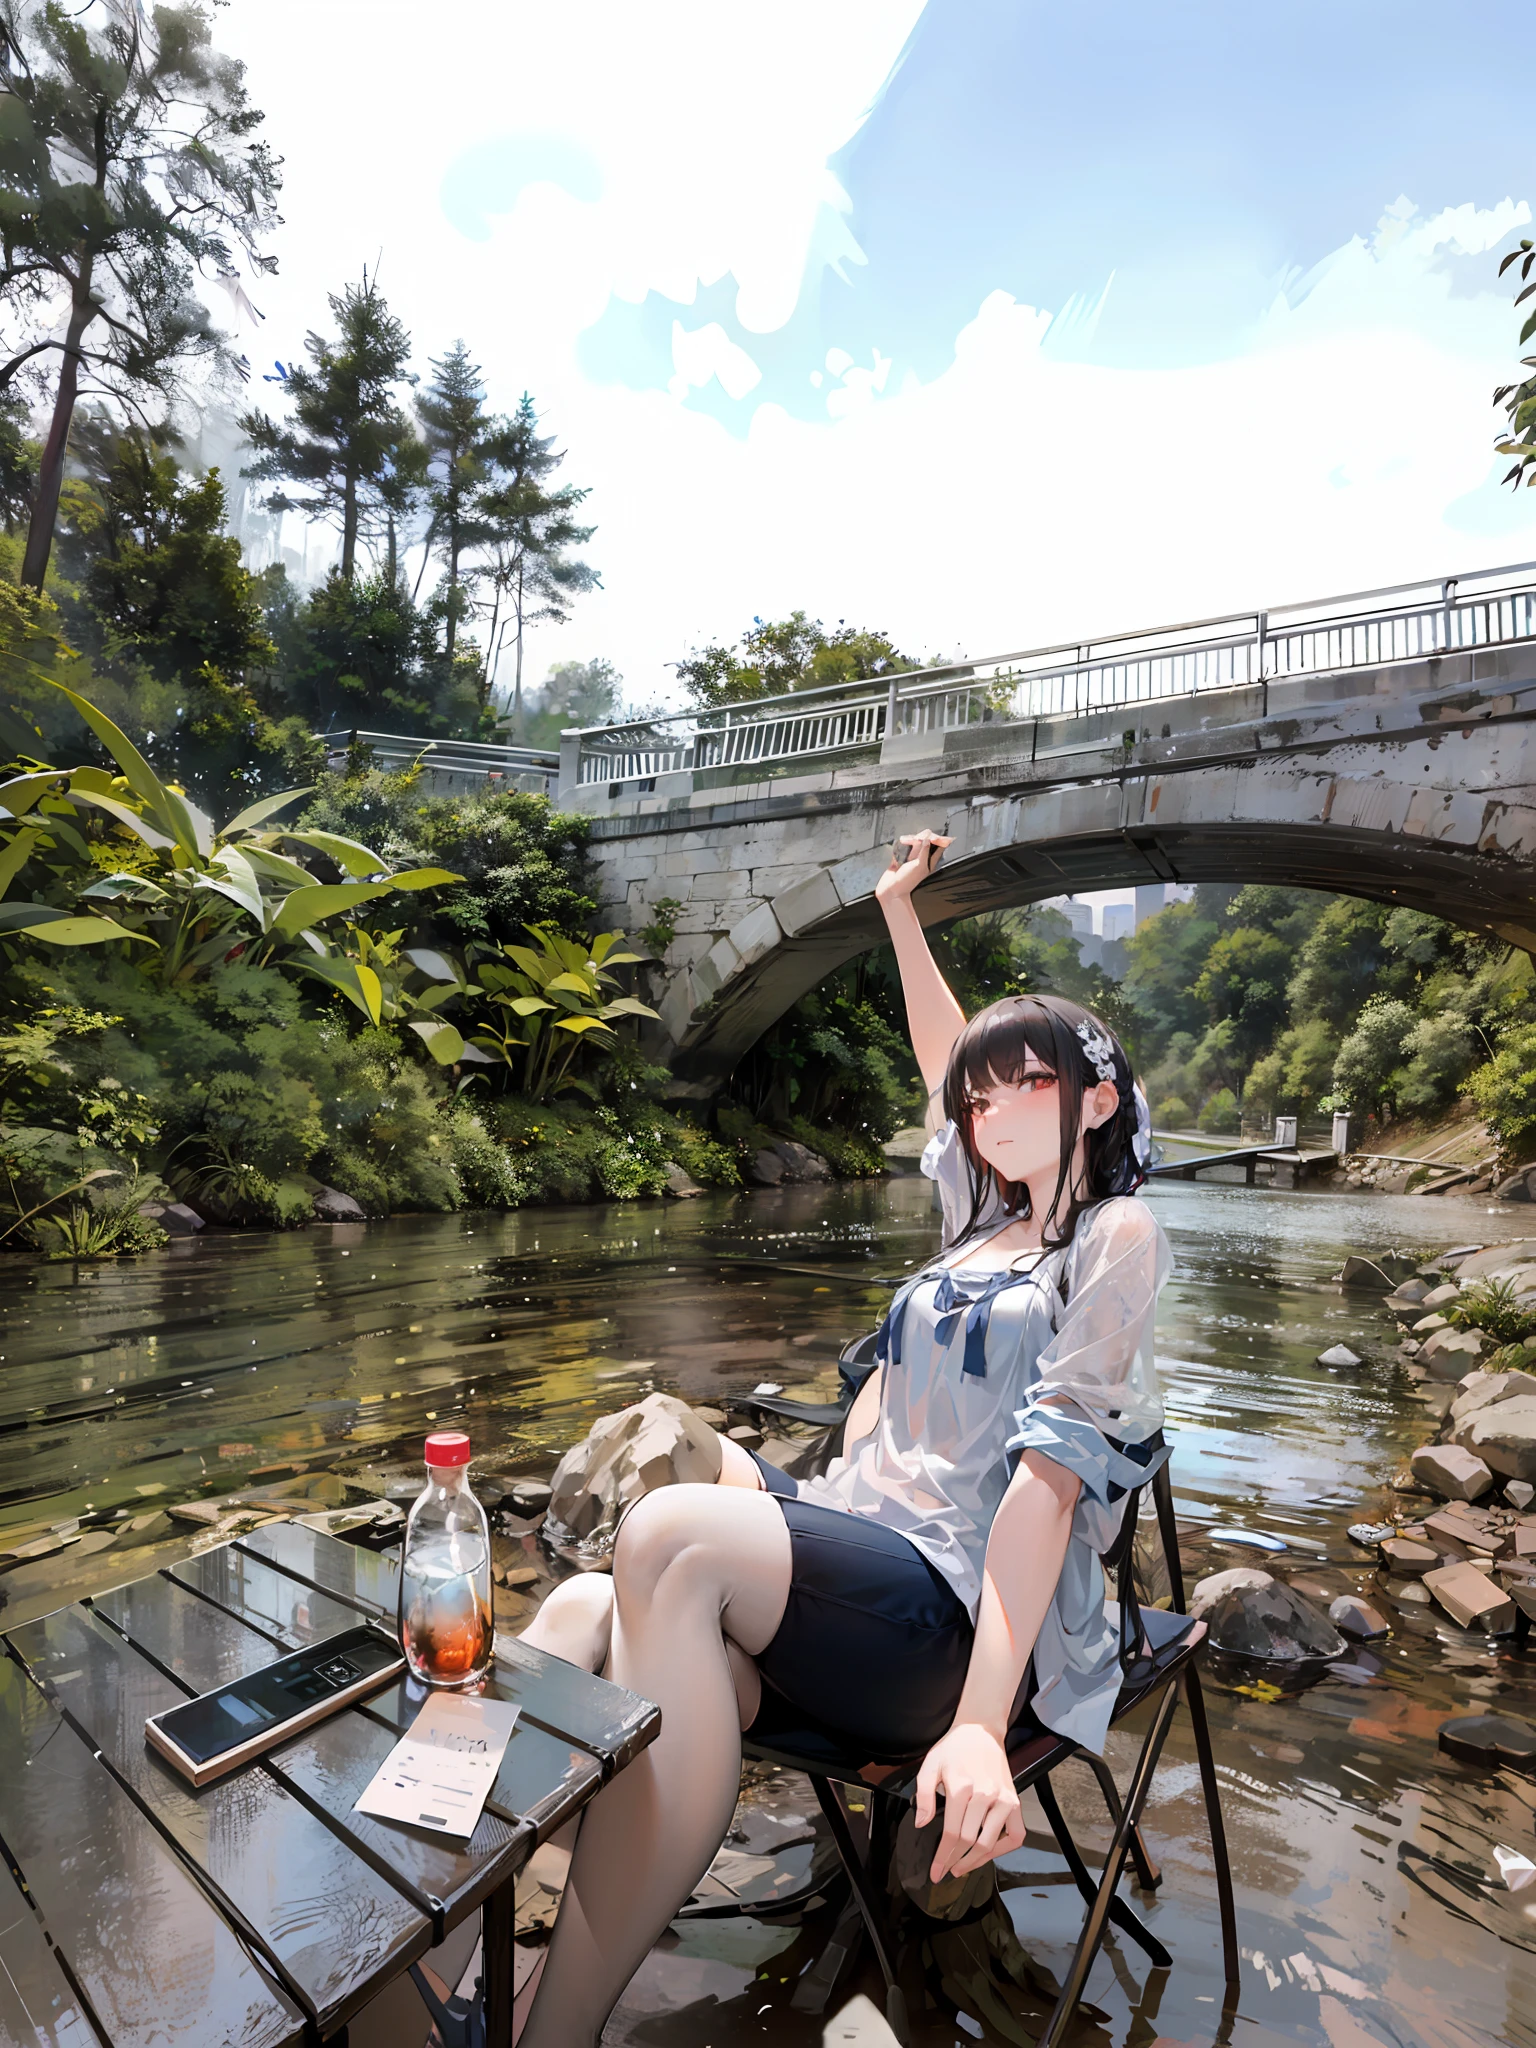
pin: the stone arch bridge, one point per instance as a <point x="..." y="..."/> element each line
<point x="1383" y="745"/>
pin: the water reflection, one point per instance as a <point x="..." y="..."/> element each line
<point x="1363" y="1857"/>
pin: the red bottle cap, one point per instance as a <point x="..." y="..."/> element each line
<point x="448" y="1447"/>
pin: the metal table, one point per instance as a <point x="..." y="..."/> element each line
<point x="260" y="1911"/>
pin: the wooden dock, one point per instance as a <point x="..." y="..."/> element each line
<point x="1301" y="1166"/>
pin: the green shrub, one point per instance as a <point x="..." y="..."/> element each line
<point x="1491" y="1306"/>
<point x="1505" y="1092"/>
<point x="852" y="1155"/>
<point x="1220" y="1113"/>
<point x="1173" y="1113"/>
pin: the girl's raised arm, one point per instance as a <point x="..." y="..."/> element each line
<point x="934" y="1019"/>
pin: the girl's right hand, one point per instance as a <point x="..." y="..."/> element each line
<point x="902" y="877"/>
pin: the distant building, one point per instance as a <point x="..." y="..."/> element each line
<point x="1119" y="920"/>
<point x="1150" y="898"/>
<point x="1079" y="916"/>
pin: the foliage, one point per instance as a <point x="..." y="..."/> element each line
<point x="532" y="1009"/>
<point x="839" y="1056"/>
<point x="662" y="929"/>
<point x="130" y="169"/>
<point x="1519" y="399"/>
<point x="1504" y="1089"/>
<point x="773" y="659"/>
<point x="351" y="452"/>
<point x="1220" y="1113"/>
<point x="1367" y="1072"/>
<point x="1167" y="954"/>
<point x="574" y="694"/>
<point x="533" y="532"/>
<point x="1243" y="983"/>
<point x="1172" y="1113"/>
<point x="1493" y="1305"/>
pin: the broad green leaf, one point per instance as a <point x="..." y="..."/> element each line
<point x="141" y="778"/>
<point x="16" y="916"/>
<point x="268" y="807"/>
<point x="111" y="887"/>
<point x="193" y="828"/>
<point x="125" y="815"/>
<point x="319" y="900"/>
<point x="22" y="791"/>
<point x="241" y="877"/>
<point x="217" y="885"/>
<point x="16" y="856"/>
<point x="473" y="1056"/>
<point x="82" y="931"/>
<point x="360" y="985"/>
<point x="433" y="998"/>
<point x="442" y="1040"/>
<point x="578" y="984"/>
<point x="276" y="866"/>
<point x="581" y="1024"/>
<point x="437" y="965"/>
<point x="528" y="960"/>
<point x="623" y="959"/>
<point x="628" y="1006"/>
<point x="528" y="1006"/>
<point x="348" y="854"/>
<point x="423" y="878"/>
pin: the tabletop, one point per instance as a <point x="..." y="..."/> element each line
<point x="259" y="1910"/>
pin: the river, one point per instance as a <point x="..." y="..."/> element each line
<point x="1368" y="1896"/>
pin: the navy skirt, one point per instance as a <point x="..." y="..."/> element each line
<point x="874" y="1645"/>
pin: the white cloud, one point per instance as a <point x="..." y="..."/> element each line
<point x="1016" y="499"/>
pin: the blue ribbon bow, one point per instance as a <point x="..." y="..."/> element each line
<point x="952" y="1299"/>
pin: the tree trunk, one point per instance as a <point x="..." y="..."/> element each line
<point x="517" y="685"/>
<point x="391" y="560"/>
<point x="50" y="472"/>
<point x="349" y="530"/>
<point x="453" y="588"/>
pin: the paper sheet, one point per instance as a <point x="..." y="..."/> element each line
<point x="440" y="1773"/>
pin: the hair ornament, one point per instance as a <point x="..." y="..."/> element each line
<point x="1098" y="1050"/>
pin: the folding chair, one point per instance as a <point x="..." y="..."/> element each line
<point x="1157" y="1659"/>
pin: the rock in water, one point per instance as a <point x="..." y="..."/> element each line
<point x="1450" y="1354"/>
<point x="1272" y="1624"/>
<point x="1452" y="1472"/>
<point x="658" y="1442"/>
<point x="1369" y="1534"/>
<point x="1504" y="1437"/>
<point x="766" y="1170"/>
<point x="681" y="1183"/>
<point x="1338" y="1354"/>
<point x="1365" y="1276"/>
<point x="330" y="1205"/>
<point x="1356" y="1617"/>
<point x="1210" y="1592"/>
<point x="174" y="1218"/>
<point x="1471" y="1598"/>
<point x="1493" y="1740"/>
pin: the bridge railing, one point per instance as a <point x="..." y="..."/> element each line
<point x="1403" y="622"/>
<point x="464" y="766"/>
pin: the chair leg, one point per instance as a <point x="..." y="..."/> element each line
<point x="1148" y="1876"/>
<point x="1205" y="1757"/>
<point x="869" y="1905"/>
<point x="818" y="1984"/>
<point x="1114" y="1862"/>
<point x="1123" y="1916"/>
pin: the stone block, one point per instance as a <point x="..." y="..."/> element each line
<point x="1503" y="1436"/>
<point x="1452" y="1471"/>
<point x="1482" y="1389"/>
<point x="806" y="903"/>
<point x="1449" y="1353"/>
<point x="723" y="961"/>
<point x="1410" y="1560"/>
<point x="1470" y="1597"/>
<point x="756" y="935"/>
<point x="1438" y="1297"/>
<point x="855" y="878"/>
<point x="1355" y="1617"/>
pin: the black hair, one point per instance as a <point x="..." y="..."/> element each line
<point x="995" y="1047"/>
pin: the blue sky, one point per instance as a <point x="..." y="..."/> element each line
<point x="989" y="323"/>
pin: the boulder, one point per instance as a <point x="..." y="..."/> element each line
<point x="1338" y="1354"/>
<point x="1452" y="1471"/>
<point x="1365" y="1276"/>
<point x="1407" y="1292"/>
<point x="1356" y="1617"/>
<point x="1451" y="1353"/>
<point x="330" y="1205"/>
<point x="1440" y="1297"/>
<point x="766" y="1169"/>
<point x="1520" y="1493"/>
<point x="1410" y="1560"/>
<point x="1272" y="1624"/>
<point x="1503" y="1436"/>
<point x="1515" y="1188"/>
<point x="681" y="1183"/>
<point x="1211" y="1592"/>
<point x="1471" y="1598"/>
<point x="1476" y="1265"/>
<point x="1482" y="1389"/>
<point x="800" y="1162"/>
<point x="174" y="1218"/>
<point x="1426" y="1326"/>
<point x="658" y="1442"/>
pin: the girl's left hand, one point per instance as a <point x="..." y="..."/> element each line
<point x="981" y="1809"/>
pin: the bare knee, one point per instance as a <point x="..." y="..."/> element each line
<point x="737" y="1466"/>
<point x="576" y="1621"/>
<point x="659" y="1532"/>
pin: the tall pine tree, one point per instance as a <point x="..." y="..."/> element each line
<point x="350" y="449"/>
<point x="457" y="432"/>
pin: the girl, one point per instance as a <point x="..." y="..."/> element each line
<point x="944" y="1571"/>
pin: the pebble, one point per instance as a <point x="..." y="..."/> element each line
<point x="1251" y="1539"/>
<point x="1369" y="1534"/>
<point x="1353" y="1616"/>
<point x="1519" y="1492"/>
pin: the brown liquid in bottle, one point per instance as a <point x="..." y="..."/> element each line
<point x="443" y="1649"/>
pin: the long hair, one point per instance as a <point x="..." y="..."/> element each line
<point x="994" y="1047"/>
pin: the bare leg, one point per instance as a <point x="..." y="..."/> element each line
<point x="576" y="1621"/>
<point x="694" y="1565"/>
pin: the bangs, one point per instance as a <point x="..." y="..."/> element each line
<point x="995" y="1046"/>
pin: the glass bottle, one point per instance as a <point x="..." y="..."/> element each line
<point x="445" y="1572"/>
